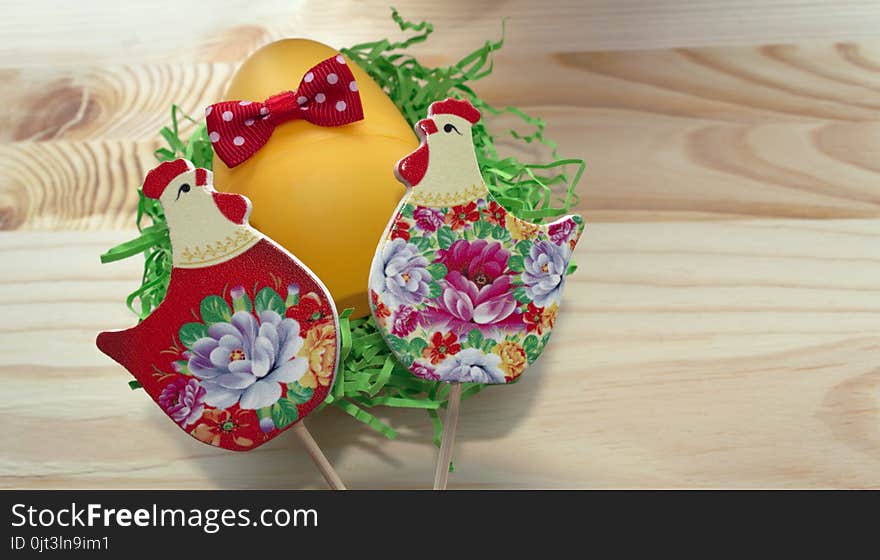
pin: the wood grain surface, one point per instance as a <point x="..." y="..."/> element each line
<point x="723" y="329"/>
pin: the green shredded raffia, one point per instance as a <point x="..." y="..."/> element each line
<point x="369" y="375"/>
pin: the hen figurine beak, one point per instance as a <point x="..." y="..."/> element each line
<point x="427" y="126"/>
<point x="233" y="206"/>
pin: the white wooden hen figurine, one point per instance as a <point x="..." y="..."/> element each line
<point x="463" y="290"/>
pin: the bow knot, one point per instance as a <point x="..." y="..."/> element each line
<point x="282" y="107"/>
<point x="326" y="96"/>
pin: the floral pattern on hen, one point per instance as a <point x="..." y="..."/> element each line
<point x="469" y="292"/>
<point x="253" y="364"/>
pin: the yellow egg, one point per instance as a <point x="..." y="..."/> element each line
<point x="324" y="193"/>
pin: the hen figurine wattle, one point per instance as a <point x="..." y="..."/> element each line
<point x="245" y="343"/>
<point x="463" y="290"/>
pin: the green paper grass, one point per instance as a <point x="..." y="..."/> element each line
<point x="369" y="375"/>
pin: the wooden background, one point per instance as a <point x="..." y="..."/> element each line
<point x="722" y="330"/>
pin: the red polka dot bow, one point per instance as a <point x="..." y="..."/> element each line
<point x="326" y="96"/>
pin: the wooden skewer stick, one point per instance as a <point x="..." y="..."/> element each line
<point x="318" y="456"/>
<point x="441" y="475"/>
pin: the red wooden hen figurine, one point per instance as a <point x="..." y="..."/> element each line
<point x="245" y="343"/>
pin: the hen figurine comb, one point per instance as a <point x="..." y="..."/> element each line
<point x="246" y="342"/>
<point x="463" y="290"/>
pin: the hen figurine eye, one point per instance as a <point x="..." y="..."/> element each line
<point x="447" y="128"/>
<point x="183" y="188"/>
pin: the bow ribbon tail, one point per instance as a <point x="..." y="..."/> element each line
<point x="237" y="129"/>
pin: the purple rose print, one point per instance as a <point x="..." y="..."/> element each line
<point x="405" y="321"/>
<point x="400" y="274"/>
<point x="561" y="232"/>
<point x="424" y="371"/>
<point x="428" y="219"/>
<point x="471" y="365"/>
<point x="544" y="275"/>
<point x="184" y="401"/>
<point x="246" y="361"/>
<point x="477" y="291"/>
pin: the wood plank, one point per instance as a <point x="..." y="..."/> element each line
<point x="151" y="31"/>
<point x="703" y="342"/>
<point x="644" y="167"/>
<point x="130" y="102"/>
<point x="735" y="354"/>
<point x="716" y="134"/>
<point x="71" y="185"/>
<point x="807" y="82"/>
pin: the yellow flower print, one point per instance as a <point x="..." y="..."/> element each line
<point x="519" y="229"/>
<point x="320" y="349"/>
<point x="513" y="359"/>
<point x="548" y="316"/>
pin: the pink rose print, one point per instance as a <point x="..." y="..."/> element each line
<point x="428" y="219"/>
<point x="184" y="401"/>
<point x="561" y="232"/>
<point x="477" y="288"/>
<point x="405" y="321"/>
